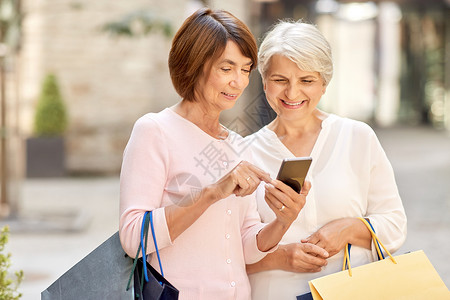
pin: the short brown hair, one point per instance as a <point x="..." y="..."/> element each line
<point x="203" y="36"/>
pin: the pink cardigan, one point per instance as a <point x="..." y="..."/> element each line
<point x="168" y="159"/>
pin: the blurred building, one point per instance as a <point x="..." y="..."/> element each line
<point x="391" y="66"/>
<point x="391" y="58"/>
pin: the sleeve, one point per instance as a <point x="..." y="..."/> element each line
<point x="385" y="209"/>
<point x="141" y="186"/>
<point x="251" y="227"/>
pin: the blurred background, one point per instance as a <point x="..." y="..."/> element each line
<point x="97" y="66"/>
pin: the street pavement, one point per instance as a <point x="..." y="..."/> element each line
<point x="421" y="161"/>
<point x="63" y="220"/>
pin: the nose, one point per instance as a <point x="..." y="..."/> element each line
<point x="239" y="81"/>
<point x="292" y="91"/>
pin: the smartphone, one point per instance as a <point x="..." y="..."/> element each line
<point x="293" y="172"/>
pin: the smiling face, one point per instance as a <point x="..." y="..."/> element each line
<point x="291" y="92"/>
<point x="224" y="79"/>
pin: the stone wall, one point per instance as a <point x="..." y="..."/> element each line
<point x="107" y="82"/>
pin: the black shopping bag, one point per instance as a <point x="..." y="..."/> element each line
<point x="102" y="274"/>
<point x="156" y="288"/>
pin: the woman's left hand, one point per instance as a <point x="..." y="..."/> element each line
<point x="284" y="201"/>
<point x="334" y="235"/>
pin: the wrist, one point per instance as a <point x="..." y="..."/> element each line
<point x="283" y="224"/>
<point x="209" y="195"/>
<point x="280" y="261"/>
<point x="269" y="262"/>
<point x="356" y="231"/>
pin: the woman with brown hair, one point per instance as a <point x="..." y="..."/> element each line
<point x="189" y="170"/>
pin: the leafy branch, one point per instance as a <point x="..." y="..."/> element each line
<point x="8" y="286"/>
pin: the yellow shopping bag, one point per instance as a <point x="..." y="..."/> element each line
<point x="408" y="276"/>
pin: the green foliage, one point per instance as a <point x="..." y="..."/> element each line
<point x="51" y="117"/>
<point x="138" y="23"/>
<point x="8" y="286"/>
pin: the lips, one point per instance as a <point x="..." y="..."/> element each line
<point x="293" y="105"/>
<point x="229" y="96"/>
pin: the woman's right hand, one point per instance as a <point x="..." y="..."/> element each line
<point x="241" y="181"/>
<point x="302" y="257"/>
<point x="284" y="201"/>
<point x="295" y="257"/>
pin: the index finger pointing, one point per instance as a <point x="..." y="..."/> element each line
<point x="264" y="176"/>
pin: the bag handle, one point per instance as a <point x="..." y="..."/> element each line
<point x="156" y="245"/>
<point x="347" y="259"/>
<point x="377" y="243"/>
<point x="148" y="218"/>
<point x="144" y="231"/>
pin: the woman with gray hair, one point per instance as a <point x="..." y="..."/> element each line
<point x="350" y="174"/>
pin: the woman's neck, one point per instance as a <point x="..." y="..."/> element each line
<point x="202" y="116"/>
<point x="296" y="128"/>
<point x="299" y="136"/>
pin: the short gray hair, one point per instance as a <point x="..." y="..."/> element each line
<point x="302" y="43"/>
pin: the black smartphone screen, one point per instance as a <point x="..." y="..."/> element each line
<point x="293" y="172"/>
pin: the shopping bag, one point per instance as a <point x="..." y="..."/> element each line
<point x="105" y="274"/>
<point x="148" y="283"/>
<point x="408" y="276"/>
<point x="102" y="274"/>
<point x="156" y="288"/>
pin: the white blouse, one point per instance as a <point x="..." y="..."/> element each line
<point x="351" y="177"/>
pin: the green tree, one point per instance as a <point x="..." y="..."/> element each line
<point x="8" y="286"/>
<point x="51" y="117"/>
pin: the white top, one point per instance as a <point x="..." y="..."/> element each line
<point x="351" y="177"/>
<point x="168" y="160"/>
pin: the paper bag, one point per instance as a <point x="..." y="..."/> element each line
<point x="102" y="274"/>
<point x="413" y="277"/>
